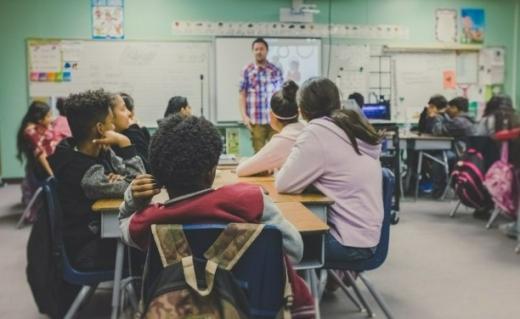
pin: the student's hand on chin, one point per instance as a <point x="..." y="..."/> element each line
<point x="144" y="186"/>
<point x="113" y="138"/>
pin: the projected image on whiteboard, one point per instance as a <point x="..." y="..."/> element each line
<point x="298" y="59"/>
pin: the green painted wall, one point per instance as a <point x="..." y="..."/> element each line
<point x="150" y="20"/>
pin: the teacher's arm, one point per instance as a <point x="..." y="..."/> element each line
<point x="242" y="104"/>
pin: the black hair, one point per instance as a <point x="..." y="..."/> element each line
<point x="183" y="152"/>
<point x="36" y="112"/>
<point x="358" y="97"/>
<point x="501" y="107"/>
<point x="460" y="102"/>
<point x="60" y="105"/>
<point x="260" y="40"/>
<point x="85" y="110"/>
<point x="129" y="101"/>
<point x="283" y="103"/>
<point x="175" y="105"/>
<point x="438" y="101"/>
<point x="319" y="97"/>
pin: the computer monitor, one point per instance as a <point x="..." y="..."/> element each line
<point x="377" y="111"/>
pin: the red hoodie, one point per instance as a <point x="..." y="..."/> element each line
<point x="232" y="203"/>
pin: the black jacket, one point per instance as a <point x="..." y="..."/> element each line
<point x="82" y="180"/>
<point x="140" y="138"/>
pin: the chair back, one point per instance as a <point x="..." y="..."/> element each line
<point x="53" y="209"/>
<point x="260" y="271"/>
<point x="382" y="247"/>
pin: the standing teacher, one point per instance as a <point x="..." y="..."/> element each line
<point x="258" y="83"/>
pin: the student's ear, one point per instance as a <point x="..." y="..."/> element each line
<point x="100" y="129"/>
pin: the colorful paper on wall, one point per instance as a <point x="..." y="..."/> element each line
<point x="473" y="23"/>
<point x="108" y="19"/>
<point x="233" y="141"/>
<point x="448" y="79"/>
<point x="45" y="57"/>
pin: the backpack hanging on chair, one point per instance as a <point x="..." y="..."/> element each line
<point x="467" y="180"/>
<point x="501" y="184"/>
<point x="177" y="292"/>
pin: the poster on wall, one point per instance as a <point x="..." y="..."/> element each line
<point x="473" y="23"/>
<point x="446" y="25"/>
<point x="108" y="19"/>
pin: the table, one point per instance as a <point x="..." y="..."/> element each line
<point x="307" y="212"/>
<point x="422" y="143"/>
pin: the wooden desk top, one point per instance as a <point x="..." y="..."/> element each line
<point x="226" y="177"/>
<point x="423" y="136"/>
<point x="300" y="216"/>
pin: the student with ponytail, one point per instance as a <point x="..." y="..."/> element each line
<point x="284" y="120"/>
<point x="338" y="154"/>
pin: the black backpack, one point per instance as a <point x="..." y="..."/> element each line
<point x="52" y="294"/>
<point x="467" y="180"/>
<point x="188" y="287"/>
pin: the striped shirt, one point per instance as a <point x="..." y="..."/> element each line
<point x="260" y="83"/>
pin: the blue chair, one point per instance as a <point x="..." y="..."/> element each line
<point x="87" y="280"/>
<point x="259" y="272"/>
<point x="379" y="256"/>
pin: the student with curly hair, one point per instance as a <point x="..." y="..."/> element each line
<point x="184" y="154"/>
<point x="87" y="170"/>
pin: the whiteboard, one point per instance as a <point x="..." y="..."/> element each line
<point x="349" y="68"/>
<point x="418" y="76"/>
<point x="151" y="72"/>
<point x="233" y="54"/>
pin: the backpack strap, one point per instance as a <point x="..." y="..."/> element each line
<point x="171" y="243"/>
<point x="504" y="155"/>
<point x="232" y="243"/>
<point x="285" y="312"/>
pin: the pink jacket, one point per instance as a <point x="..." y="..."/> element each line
<point x="61" y="127"/>
<point x="274" y="153"/>
<point x="323" y="157"/>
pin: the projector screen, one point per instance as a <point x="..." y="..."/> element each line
<point x="298" y="59"/>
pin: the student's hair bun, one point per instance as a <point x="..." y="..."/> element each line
<point x="289" y="90"/>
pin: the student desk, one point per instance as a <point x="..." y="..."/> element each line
<point x="422" y="143"/>
<point x="307" y="212"/>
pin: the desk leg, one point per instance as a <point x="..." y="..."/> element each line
<point x="419" y="171"/>
<point x="312" y="279"/>
<point x="118" y="273"/>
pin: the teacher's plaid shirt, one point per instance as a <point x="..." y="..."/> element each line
<point x="259" y="83"/>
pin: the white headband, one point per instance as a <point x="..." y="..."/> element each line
<point x="285" y="118"/>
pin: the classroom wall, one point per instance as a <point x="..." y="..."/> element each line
<point x="150" y="20"/>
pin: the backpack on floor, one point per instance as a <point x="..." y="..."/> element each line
<point x="53" y="295"/>
<point x="177" y="292"/>
<point x="467" y="180"/>
<point x="501" y="184"/>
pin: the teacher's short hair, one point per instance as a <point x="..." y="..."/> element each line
<point x="260" y="40"/>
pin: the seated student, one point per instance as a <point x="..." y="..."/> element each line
<point x="358" y="97"/>
<point x="184" y="153"/>
<point x="338" y="154"/>
<point x="457" y="124"/>
<point x="125" y="123"/>
<point x="436" y="105"/>
<point x="87" y="170"/>
<point x="60" y="124"/>
<point x="498" y="109"/>
<point x="284" y="120"/>
<point x="35" y="141"/>
<point x="177" y="105"/>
